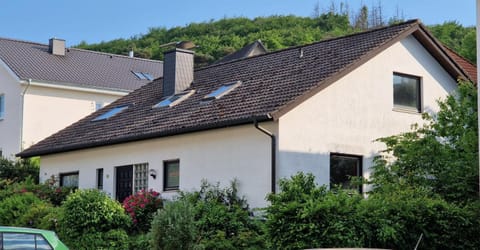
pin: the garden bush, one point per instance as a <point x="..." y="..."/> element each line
<point x="141" y="207"/>
<point x="47" y="192"/>
<point x="90" y="214"/>
<point x="304" y="215"/>
<point x="173" y="227"/>
<point x="14" y="208"/>
<point x="20" y="169"/>
<point x="221" y="219"/>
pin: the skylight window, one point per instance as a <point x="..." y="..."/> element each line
<point x="111" y="113"/>
<point x="223" y="90"/>
<point x="174" y="99"/>
<point x="143" y="75"/>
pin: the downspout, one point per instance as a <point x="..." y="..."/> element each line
<point x="29" y="82"/>
<point x="273" y="154"/>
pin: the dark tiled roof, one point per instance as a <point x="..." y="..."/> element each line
<point x="253" y="49"/>
<point x="78" y="67"/>
<point x="272" y="84"/>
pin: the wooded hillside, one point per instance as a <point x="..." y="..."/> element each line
<point x="219" y="38"/>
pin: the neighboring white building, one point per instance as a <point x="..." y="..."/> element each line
<point x="316" y="108"/>
<point x="44" y="88"/>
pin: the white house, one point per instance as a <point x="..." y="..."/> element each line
<point x="44" y="88"/>
<point x="315" y="108"/>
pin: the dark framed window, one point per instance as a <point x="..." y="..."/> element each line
<point x="342" y="168"/>
<point x="69" y="179"/>
<point x="171" y="175"/>
<point x="407" y="92"/>
<point x="100" y="178"/>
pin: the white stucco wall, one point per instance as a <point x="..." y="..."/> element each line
<point x="348" y="115"/>
<point x="49" y="109"/>
<point x="217" y="155"/>
<point x="10" y="124"/>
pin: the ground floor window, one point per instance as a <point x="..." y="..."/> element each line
<point x="171" y="175"/>
<point x="69" y="179"/>
<point x="342" y="168"/>
<point x="100" y="178"/>
<point x="141" y="177"/>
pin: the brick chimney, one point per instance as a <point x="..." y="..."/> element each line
<point x="56" y="46"/>
<point x="177" y="71"/>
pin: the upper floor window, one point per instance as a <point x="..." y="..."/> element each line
<point x="343" y="168"/>
<point x="2" y="106"/>
<point x="407" y="92"/>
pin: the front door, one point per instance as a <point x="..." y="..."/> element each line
<point x="124" y="182"/>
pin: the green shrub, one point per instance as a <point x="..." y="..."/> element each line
<point x="20" y="169"/>
<point x="47" y="192"/>
<point x="15" y="207"/>
<point x="112" y="239"/>
<point x="173" y="227"/>
<point x="304" y="215"/>
<point x="139" y="241"/>
<point x="91" y="213"/>
<point x="223" y="219"/>
<point x="141" y="206"/>
<point x="397" y="220"/>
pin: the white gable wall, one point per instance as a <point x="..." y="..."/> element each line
<point x="10" y="124"/>
<point x="219" y="155"/>
<point x="348" y="115"/>
<point x="50" y="109"/>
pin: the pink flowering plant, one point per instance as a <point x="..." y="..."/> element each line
<point x="141" y="207"/>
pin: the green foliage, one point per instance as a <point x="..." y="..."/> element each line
<point x="47" y="192"/>
<point x="89" y="215"/>
<point x="112" y="239"/>
<point x="223" y="219"/>
<point x="304" y="215"/>
<point x="18" y="170"/>
<point x="13" y="208"/>
<point x="211" y="218"/>
<point x="440" y="156"/>
<point x="217" y="39"/>
<point x="396" y="221"/>
<point x="141" y="206"/>
<point x="173" y="227"/>
<point x="139" y="241"/>
<point x="455" y="36"/>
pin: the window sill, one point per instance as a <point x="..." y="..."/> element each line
<point x="171" y="190"/>
<point x="407" y="110"/>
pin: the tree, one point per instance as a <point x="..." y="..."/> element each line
<point x="439" y="157"/>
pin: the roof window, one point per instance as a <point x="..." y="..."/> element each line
<point x="223" y="90"/>
<point x="143" y="75"/>
<point x="174" y="99"/>
<point x="110" y="113"/>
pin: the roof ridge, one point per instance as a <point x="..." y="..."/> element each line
<point x="22" y="41"/>
<point x="78" y="49"/>
<point x="410" y="22"/>
<point x="112" y="54"/>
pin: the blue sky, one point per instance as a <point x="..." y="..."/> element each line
<point x="103" y="20"/>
